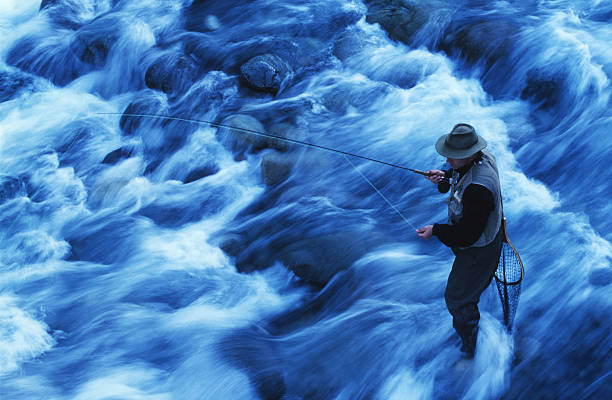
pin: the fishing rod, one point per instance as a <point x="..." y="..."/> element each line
<point x="270" y="136"/>
<point x="295" y="141"/>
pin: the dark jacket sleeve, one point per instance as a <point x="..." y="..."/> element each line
<point x="477" y="205"/>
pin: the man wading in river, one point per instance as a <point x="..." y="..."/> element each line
<point x="473" y="232"/>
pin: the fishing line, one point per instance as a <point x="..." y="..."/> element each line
<point x="270" y="136"/>
<point x="289" y="140"/>
<point x="379" y="192"/>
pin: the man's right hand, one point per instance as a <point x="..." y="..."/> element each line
<point x="435" y="175"/>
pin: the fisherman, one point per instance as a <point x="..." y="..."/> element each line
<point x="473" y="230"/>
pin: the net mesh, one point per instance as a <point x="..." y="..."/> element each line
<point x="508" y="278"/>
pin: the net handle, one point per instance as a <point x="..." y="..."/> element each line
<point x="507" y="240"/>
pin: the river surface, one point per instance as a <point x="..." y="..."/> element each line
<point x="116" y="279"/>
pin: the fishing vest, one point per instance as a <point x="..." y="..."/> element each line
<point x="483" y="172"/>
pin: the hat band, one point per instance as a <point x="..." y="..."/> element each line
<point x="461" y="142"/>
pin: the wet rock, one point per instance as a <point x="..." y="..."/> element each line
<point x="542" y="87"/>
<point x="601" y="277"/>
<point x="316" y="260"/>
<point x="149" y="102"/>
<point x="93" y="41"/>
<point x="284" y="130"/>
<point x="401" y="19"/>
<point x="276" y="168"/>
<point x="481" y="40"/>
<point x="13" y="83"/>
<point x="241" y="142"/>
<point x="117" y="155"/>
<point x="172" y="73"/>
<point x="266" y="73"/>
<point x="10" y="187"/>
<point x="201" y="172"/>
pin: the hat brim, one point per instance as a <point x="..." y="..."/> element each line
<point x="450" y="152"/>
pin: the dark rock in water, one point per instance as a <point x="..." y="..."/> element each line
<point x="601" y="277"/>
<point x="201" y="172"/>
<point x="94" y="40"/>
<point x="10" y="187"/>
<point x="318" y="259"/>
<point x="172" y="73"/>
<point x="401" y="19"/>
<point x="284" y="130"/>
<point x="481" y="40"/>
<point x="241" y="142"/>
<point x="116" y="155"/>
<point x="150" y="103"/>
<point x="543" y="87"/>
<point x="266" y="73"/>
<point x="276" y="167"/>
<point x="232" y="244"/>
<point x="12" y="83"/>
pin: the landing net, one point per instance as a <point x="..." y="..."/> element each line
<point x="508" y="278"/>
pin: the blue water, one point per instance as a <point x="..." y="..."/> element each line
<point x="116" y="277"/>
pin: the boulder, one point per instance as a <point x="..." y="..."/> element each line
<point x="172" y="73"/>
<point x="149" y="102"/>
<point x="542" y="87"/>
<point x="266" y="73"/>
<point x="284" y="130"/>
<point x="117" y="155"/>
<point x="276" y="167"/>
<point x="401" y="19"/>
<point x="201" y="172"/>
<point x="93" y="41"/>
<point x="486" y="40"/>
<point x="241" y="142"/>
<point x="317" y="259"/>
<point x="601" y="277"/>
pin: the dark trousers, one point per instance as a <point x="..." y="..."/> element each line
<point x="472" y="272"/>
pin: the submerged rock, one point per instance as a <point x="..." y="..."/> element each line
<point x="150" y="103"/>
<point x="117" y="155"/>
<point x="266" y="73"/>
<point x="201" y="172"/>
<point x="276" y="168"/>
<point x="93" y="41"/>
<point x="401" y="19"/>
<point x="481" y="40"/>
<point x="317" y="259"/>
<point x="241" y="142"/>
<point x="172" y="73"/>
<point x="543" y="87"/>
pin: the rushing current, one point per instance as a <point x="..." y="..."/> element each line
<point x="147" y="258"/>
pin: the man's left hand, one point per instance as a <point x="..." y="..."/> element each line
<point x="425" y="232"/>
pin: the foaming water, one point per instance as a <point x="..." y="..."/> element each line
<point x="144" y="258"/>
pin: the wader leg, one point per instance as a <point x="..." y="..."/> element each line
<point x="472" y="272"/>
